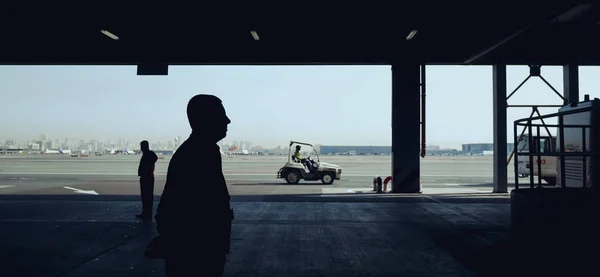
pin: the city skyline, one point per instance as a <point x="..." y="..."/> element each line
<point x="134" y="144"/>
<point x="45" y="141"/>
<point x="124" y="146"/>
<point x="124" y="143"/>
<point x="269" y="105"/>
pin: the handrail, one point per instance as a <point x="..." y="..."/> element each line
<point x="580" y="110"/>
<point x="558" y="154"/>
<point x="555" y="125"/>
<point x="582" y="152"/>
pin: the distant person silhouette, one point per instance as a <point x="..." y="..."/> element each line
<point x="146" y="174"/>
<point x="194" y="216"/>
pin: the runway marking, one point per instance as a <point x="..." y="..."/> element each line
<point x="6" y="186"/>
<point x="82" y="191"/>
<point x="360" y="190"/>
<point x="452" y="184"/>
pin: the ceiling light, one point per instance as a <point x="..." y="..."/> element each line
<point x="109" y="34"/>
<point x="255" y="35"/>
<point x="411" y="34"/>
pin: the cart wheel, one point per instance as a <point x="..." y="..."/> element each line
<point x="292" y="177"/>
<point x="327" y="178"/>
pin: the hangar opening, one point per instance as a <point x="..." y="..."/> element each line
<point x="383" y="236"/>
<point x="76" y="129"/>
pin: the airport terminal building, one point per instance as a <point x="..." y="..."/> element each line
<point x="467" y="149"/>
<point x="483" y="148"/>
<point x="354" y="150"/>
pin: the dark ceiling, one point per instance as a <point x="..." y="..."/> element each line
<point x="305" y="34"/>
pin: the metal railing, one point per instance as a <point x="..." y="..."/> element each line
<point x="528" y="123"/>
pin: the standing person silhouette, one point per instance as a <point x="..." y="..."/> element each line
<point x="146" y="174"/>
<point x="194" y="215"/>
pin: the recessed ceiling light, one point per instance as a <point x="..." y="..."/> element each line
<point x="255" y="35"/>
<point x="411" y="34"/>
<point x="109" y="34"/>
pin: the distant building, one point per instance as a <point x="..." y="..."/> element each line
<point x="430" y="147"/>
<point x="484" y="148"/>
<point x="34" y="146"/>
<point x="476" y="148"/>
<point x="11" y="144"/>
<point x="4" y="151"/>
<point x="354" y="150"/>
<point x="432" y="150"/>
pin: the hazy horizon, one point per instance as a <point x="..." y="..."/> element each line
<point x="268" y="105"/>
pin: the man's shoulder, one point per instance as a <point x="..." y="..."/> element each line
<point x="188" y="148"/>
<point x="182" y="152"/>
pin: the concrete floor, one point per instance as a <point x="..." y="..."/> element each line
<point x="452" y="229"/>
<point x="413" y="235"/>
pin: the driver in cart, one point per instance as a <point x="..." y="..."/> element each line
<point x="298" y="157"/>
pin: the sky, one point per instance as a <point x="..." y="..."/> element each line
<point x="268" y="105"/>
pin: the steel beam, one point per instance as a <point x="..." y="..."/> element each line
<point x="486" y="52"/>
<point x="405" y="128"/>
<point x="571" y="83"/>
<point x="500" y="132"/>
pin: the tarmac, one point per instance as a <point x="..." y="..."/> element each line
<point x="454" y="228"/>
<point x="245" y="175"/>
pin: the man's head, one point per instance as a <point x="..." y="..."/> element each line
<point x="144" y="145"/>
<point x="298" y="147"/>
<point x="207" y="117"/>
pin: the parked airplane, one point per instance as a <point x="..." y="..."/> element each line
<point x="59" y="151"/>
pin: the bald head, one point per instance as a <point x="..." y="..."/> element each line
<point x="207" y="115"/>
<point x="144" y="146"/>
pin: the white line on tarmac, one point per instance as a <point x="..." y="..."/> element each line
<point x="6" y="186"/>
<point x="359" y="189"/>
<point x="76" y="190"/>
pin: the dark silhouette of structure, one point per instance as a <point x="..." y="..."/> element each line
<point x="146" y="174"/>
<point x="194" y="215"/>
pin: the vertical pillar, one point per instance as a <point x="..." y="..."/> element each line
<point x="406" y="128"/>
<point x="571" y="83"/>
<point x="500" y="126"/>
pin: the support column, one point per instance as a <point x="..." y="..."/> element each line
<point x="406" y="128"/>
<point x="571" y="83"/>
<point x="500" y="126"/>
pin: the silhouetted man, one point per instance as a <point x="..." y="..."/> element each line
<point x="146" y="174"/>
<point x="194" y="216"/>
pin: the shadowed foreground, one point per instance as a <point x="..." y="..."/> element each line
<point x="289" y="236"/>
